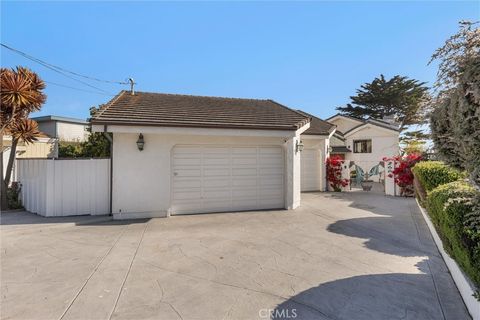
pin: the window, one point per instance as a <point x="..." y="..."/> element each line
<point x="362" y="146"/>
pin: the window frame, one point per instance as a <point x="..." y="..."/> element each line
<point x="367" y="149"/>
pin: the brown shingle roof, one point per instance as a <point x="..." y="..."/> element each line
<point x="317" y="125"/>
<point x="158" y="109"/>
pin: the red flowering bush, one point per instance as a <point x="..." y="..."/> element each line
<point x="402" y="173"/>
<point x="334" y="173"/>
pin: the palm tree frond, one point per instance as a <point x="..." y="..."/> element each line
<point x="25" y="130"/>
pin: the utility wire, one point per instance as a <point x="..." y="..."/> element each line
<point x="73" y="88"/>
<point x="60" y="70"/>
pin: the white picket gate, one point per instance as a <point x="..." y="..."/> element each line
<point x="52" y="187"/>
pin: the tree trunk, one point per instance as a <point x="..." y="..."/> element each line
<point x="11" y="161"/>
<point x="3" y="186"/>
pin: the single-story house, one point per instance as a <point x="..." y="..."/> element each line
<point x="180" y="154"/>
<point x="63" y="128"/>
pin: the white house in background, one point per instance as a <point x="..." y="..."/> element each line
<point x="365" y="142"/>
<point x="63" y="128"/>
<point x="180" y="154"/>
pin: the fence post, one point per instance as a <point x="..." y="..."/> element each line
<point x="390" y="188"/>
<point x="346" y="174"/>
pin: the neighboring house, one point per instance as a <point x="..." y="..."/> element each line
<point x="366" y="142"/>
<point x="44" y="147"/>
<point x="180" y="154"/>
<point x="63" y="128"/>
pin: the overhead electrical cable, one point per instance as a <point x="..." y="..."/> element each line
<point x="63" y="71"/>
<point x="78" y="89"/>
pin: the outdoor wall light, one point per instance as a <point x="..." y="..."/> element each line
<point x="140" y="142"/>
<point x="299" y="146"/>
<point x="330" y="149"/>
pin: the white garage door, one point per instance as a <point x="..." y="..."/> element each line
<point x="310" y="170"/>
<point x="227" y="178"/>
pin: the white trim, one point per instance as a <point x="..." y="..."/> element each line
<point x="337" y="116"/>
<point x="366" y="126"/>
<point x="313" y="136"/>
<point x="201" y="131"/>
<point x="464" y="285"/>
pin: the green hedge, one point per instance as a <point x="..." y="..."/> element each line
<point x="432" y="174"/>
<point x="450" y="207"/>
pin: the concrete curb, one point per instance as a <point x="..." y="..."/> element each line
<point x="464" y="285"/>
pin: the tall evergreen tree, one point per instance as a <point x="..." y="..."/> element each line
<point x="401" y="97"/>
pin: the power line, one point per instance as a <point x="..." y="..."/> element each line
<point x="60" y="70"/>
<point x="63" y="69"/>
<point x="73" y="88"/>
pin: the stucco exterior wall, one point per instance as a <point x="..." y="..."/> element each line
<point x="321" y="144"/>
<point x="71" y="131"/>
<point x="344" y="124"/>
<point x="142" y="179"/>
<point x="384" y="144"/>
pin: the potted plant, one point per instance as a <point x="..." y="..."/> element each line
<point x="366" y="183"/>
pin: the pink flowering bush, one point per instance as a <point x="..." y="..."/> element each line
<point x="334" y="173"/>
<point x="402" y="173"/>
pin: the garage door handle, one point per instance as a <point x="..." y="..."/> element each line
<point x="175" y="174"/>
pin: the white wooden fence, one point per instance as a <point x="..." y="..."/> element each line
<point x="53" y="187"/>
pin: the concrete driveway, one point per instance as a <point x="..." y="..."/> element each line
<point x="339" y="256"/>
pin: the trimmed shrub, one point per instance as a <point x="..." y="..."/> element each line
<point x="432" y="174"/>
<point x="450" y="207"/>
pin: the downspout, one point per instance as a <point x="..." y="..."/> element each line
<point x="109" y="138"/>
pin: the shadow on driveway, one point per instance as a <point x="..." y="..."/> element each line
<point x="369" y="297"/>
<point x="19" y="218"/>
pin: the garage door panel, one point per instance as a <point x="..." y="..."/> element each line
<point x="216" y="161"/>
<point x="244" y="150"/>
<point x="215" y="172"/>
<point x="251" y="161"/>
<point x="187" y="195"/>
<point x="187" y="172"/>
<point x="244" y="172"/>
<point x="187" y="184"/>
<point x="272" y="181"/>
<point x="246" y="193"/>
<point x="216" y="193"/>
<point x="215" y="183"/>
<point x="238" y="182"/>
<point x="274" y="171"/>
<point x="310" y="170"/>
<point x="215" y="179"/>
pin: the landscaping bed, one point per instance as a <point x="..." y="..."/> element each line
<point x="449" y="200"/>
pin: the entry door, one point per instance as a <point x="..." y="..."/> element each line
<point x="227" y="178"/>
<point x="311" y="166"/>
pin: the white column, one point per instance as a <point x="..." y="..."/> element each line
<point x="389" y="181"/>
<point x="292" y="174"/>
<point x="346" y="174"/>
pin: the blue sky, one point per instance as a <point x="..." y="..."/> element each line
<point x="307" y="55"/>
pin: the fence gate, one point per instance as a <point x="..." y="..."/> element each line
<point x="52" y="187"/>
<point x="377" y="172"/>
